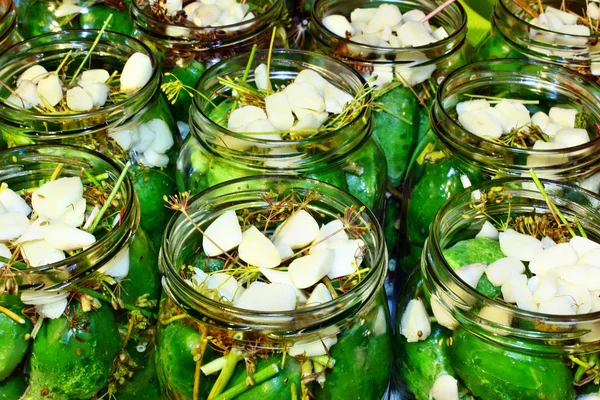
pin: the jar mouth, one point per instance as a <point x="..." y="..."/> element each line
<point x="459" y="208"/>
<point x="528" y="78"/>
<point x="452" y="16"/>
<point x="20" y="167"/>
<point x="206" y="35"/>
<point x="285" y="65"/>
<point x="247" y="191"/>
<point x="7" y="8"/>
<point x="512" y="8"/>
<point x="50" y="49"/>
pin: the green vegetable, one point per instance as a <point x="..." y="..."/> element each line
<point x="144" y="383"/>
<point x="188" y="75"/>
<point x="335" y="177"/>
<point x="221" y="171"/>
<point x="13" y="345"/>
<point x="485" y="287"/>
<point x="13" y="387"/>
<point x="397" y="137"/>
<point x="494" y="46"/>
<point x="72" y="358"/>
<point x="367" y="185"/>
<point x="94" y="19"/>
<point x="391" y="227"/>
<point x="419" y="364"/>
<point x="492" y="372"/>
<point x="472" y="251"/>
<point x="144" y="276"/>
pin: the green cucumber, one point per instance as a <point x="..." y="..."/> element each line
<point x="13" y="345"/>
<point x="473" y="251"/>
<point x="368" y="185"/>
<point x="120" y="22"/>
<point x="13" y="387"/>
<point x="144" y="276"/>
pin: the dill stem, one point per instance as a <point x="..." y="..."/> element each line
<point x="203" y="344"/>
<point x="249" y="65"/>
<point x="226" y="373"/>
<point x="12" y="315"/>
<point x="111" y="197"/>
<point x="89" y="53"/>
<point x="126" y="306"/>
<point x="173" y="319"/>
<point x="258" y="378"/>
<point x="56" y="172"/>
<point x="269" y="88"/>
<point x="15" y="264"/>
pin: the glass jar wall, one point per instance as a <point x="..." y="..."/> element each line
<point x="37" y="17"/>
<point x="348" y="157"/>
<point x="186" y="50"/>
<point x="513" y="36"/>
<point x="75" y="325"/>
<point x="195" y="330"/>
<point x="491" y="347"/>
<point x="8" y="25"/>
<point x="125" y="128"/>
<point x="407" y="77"/>
<point x="450" y="157"/>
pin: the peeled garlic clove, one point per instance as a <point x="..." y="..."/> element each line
<point x="74" y="215"/>
<point x="348" y="257"/>
<point x="480" y="123"/>
<point x="471" y="274"/>
<point x="591" y="257"/>
<point x="172" y="6"/>
<point x="515" y="115"/>
<point x="565" y="17"/>
<point x="42" y="297"/>
<point x="52" y="310"/>
<point x="298" y="231"/>
<point x="154" y="159"/>
<point x="227" y="285"/>
<point x="302" y="95"/>
<point x="26" y="97"/>
<point x="564" y="117"/>
<point x="488" y="231"/>
<point x="136" y="72"/>
<point x="584" y="275"/>
<point x="39" y="253"/>
<point x="572" y="137"/>
<point x="308" y="270"/>
<point x="65" y="237"/>
<point x="261" y="77"/>
<point x="314" y="348"/>
<point x="338" y="24"/>
<point x="92" y="76"/>
<point x="496" y="315"/>
<point x="521" y="293"/>
<point x="163" y="138"/>
<point x="224" y="232"/>
<point x="547" y="242"/>
<point x="79" y="100"/>
<point x="329" y="232"/>
<point x="471" y="105"/>
<point x="13" y="202"/>
<point x="386" y="14"/>
<point x="445" y="387"/>
<point x="336" y="99"/>
<point x="319" y="295"/>
<point x="146" y="137"/>
<point x="98" y="92"/>
<point x="415" y="325"/>
<point x="593" y="11"/>
<point x="34" y="74"/>
<point x="500" y="270"/>
<point x="238" y="11"/>
<point x="4" y="252"/>
<point x="13" y="225"/>
<point x="546" y="288"/>
<point x="556" y="256"/>
<point x="556" y="306"/>
<point x="240" y="117"/>
<point x="440" y="33"/>
<point x="413" y="15"/>
<point x="257" y="250"/>
<point x="50" y="90"/>
<point x="312" y="78"/>
<point x="523" y="247"/>
<point x="541" y="119"/>
<point x="206" y="15"/>
<point x="441" y="314"/>
<point x="53" y="198"/>
<point x="279" y="111"/>
<point x="578" y="297"/>
<point x="362" y="14"/>
<point x="124" y="136"/>
<point x="66" y="9"/>
<point x="118" y="266"/>
<point x="190" y="8"/>
<point x="268" y="297"/>
<point x="582" y="245"/>
<point x="308" y="124"/>
<point x="414" y="34"/>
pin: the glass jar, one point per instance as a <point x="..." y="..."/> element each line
<point x="494" y="349"/>
<point x="408" y="77"/>
<point x="187" y="50"/>
<point x="347" y="158"/>
<point x="449" y="157"/>
<point x="89" y="347"/>
<point x="97" y="129"/>
<point x="186" y="318"/>
<point x="512" y="36"/>
<point x="37" y="17"/>
<point x="8" y="25"/>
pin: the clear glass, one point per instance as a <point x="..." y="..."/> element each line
<point x="8" y="25"/>
<point x="93" y="129"/>
<point x="511" y="37"/>
<point x="37" y="17"/>
<point x="90" y="369"/>
<point x="186" y="51"/>
<point x="363" y="351"/>
<point x="413" y="73"/>
<point x="448" y="152"/>
<point x="527" y="356"/>
<point x="348" y="158"/>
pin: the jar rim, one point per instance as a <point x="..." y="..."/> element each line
<point x="487" y="65"/>
<point x="69" y="36"/>
<point x="268" y="15"/>
<point x="11" y="7"/>
<point x="435" y="239"/>
<point x="369" y="285"/>
<point x="128" y="219"/>
<point x="459" y="30"/>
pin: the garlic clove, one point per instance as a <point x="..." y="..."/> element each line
<point x="65" y="237"/>
<point x="348" y="257"/>
<point x="471" y="274"/>
<point x="336" y="99"/>
<point x="118" y="266"/>
<point x="53" y="198"/>
<point x="319" y="295"/>
<point x="480" y="123"/>
<point x="471" y="105"/>
<point x="50" y="90"/>
<point x="523" y="247"/>
<point x="279" y="111"/>
<point x="79" y="100"/>
<point x="564" y="117"/>
<point x="308" y="270"/>
<point x="314" y="348"/>
<point x="314" y="79"/>
<point x="206" y="15"/>
<point x="13" y="225"/>
<point x="546" y="288"/>
<point x="445" y="387"/>
<point x="98" y="92"/>
<point x="500" y="270"/>
<point x="488" y="231"/>
<point x="572" y="137"/>
<point x="34" y="74"/>
<point x="303" y="95"/>
<point x="40" y="252"/>
<point x="163" y="138"/>
<point x="12" y="202"/>
<point x="136" y="72"/>
<point x="227" y="286"/>
<point x="415" y="325"/>
<point x="242" y="116"/>
<point x="261" y="77"/>
<point x="224" y="232"/>
<point x="256" y="249"/>
<point x="274" y="297"/>
<point x="329" y="232"/>
<point x="556" y="256"/>
<point x="92" y="76"/>
<point x="298" y="231"/>
<point x="338" y="24"/>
